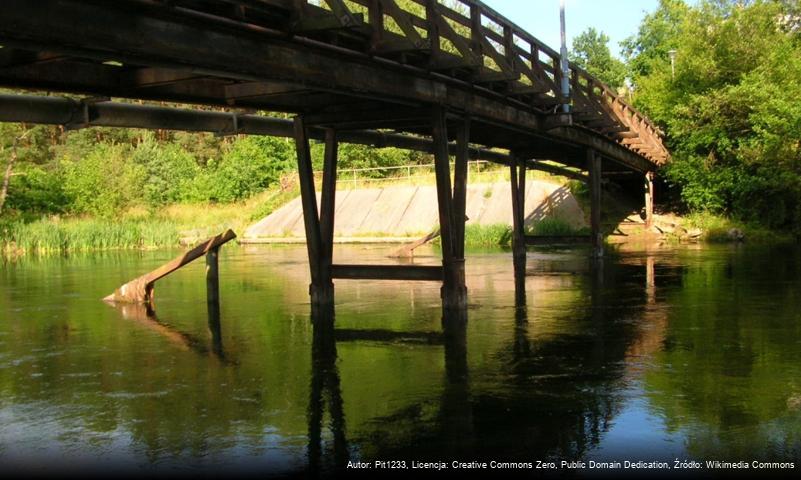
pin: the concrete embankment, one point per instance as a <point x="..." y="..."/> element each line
<point x="398" y="213"/>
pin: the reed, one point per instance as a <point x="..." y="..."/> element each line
<point x="136" y="228"/>
<point x="554" y="226"/>
<point x="498" y="235"/>
<point x="56" y="235"/>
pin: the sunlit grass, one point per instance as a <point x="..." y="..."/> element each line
<point x="716" y="229"/>
<point x="137" y="228"/>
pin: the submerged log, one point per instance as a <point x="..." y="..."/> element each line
<point x="140" y="290"/>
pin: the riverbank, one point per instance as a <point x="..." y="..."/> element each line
<point x="135" y="229"/>
<point x="186" y="224"/>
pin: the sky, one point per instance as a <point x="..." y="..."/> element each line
<point x="617" y="18"/>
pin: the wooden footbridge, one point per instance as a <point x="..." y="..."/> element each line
<point x="450" y="77"/>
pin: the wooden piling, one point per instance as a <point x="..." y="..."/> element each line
<point x="649" y="200"/>
<point x="518" y="187"/>
<point x="460" y="187"/>
<point x="327" y="209"/>
<point x="594" y="166"/>
<point x="212" y="276"/>
<point x="454" y="290"/>
<point x="321" y="291"/>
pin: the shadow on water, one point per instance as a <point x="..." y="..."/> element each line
<point x="145" y="315"/>
<point x="552" y="398"/>
<point x="574" y="360"/>
<point x="325" y="395"/>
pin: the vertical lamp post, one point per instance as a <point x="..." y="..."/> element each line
<point x="672" y="54"/>
<point x="564" y="62"/>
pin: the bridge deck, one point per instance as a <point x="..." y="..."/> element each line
<point x="346" y="64"/>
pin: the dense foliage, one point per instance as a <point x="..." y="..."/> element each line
<point x="731" y="111"/>
<point x="591" y="52"/>
<point x="103" y="172"/>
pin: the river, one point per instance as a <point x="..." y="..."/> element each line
<point x="688" y="352"/>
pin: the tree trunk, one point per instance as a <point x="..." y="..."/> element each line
<point x="7" y="177"/>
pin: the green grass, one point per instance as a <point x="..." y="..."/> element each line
<point x="54" y="235"/>
<point x="553" y="227"/>
<point x="498" y="235"/>
<point x="716" y="229"/>
<point x="169" y="226"/>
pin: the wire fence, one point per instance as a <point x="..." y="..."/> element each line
<point x="397" y="172"/>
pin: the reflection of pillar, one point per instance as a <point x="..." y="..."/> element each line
<point x="451" y="205"/>
<point x="597" y="310"/>
<point x="215" y="329"/>
<point x="650" y="280"/>
<point x="522" y="347"/>
<point x="649" y="200"/>
<point x="594" y="166"/>
<point x="520" y="288"/>
<point x="456" y="414"/>
<point x="325" y="389"/>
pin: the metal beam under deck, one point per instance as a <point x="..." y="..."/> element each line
<point x="76" y="114"/>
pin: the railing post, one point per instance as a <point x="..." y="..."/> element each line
<point x="475" y="30"/>
<point x="376" y="19"/>
<point x="433" y="28"/>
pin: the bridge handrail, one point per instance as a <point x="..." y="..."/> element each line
<point x="480" y="37"/>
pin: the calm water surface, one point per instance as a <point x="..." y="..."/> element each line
<point x="690" y="353"/>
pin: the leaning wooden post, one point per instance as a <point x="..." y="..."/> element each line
<point x="327" y="209"/>
<point x="318" y="290"/>
<point x="460" y="188"/>
<point x="212" y="276"/>
<point x="458" y="215"/>
<point x="594" y="166"/>
<point x="649" y="200"/>
<point x="140" y="290"/>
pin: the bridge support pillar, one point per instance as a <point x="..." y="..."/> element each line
<point x="518" y="187"/>
<point x="451" y="203"/>
<point x="594" y="166"/>
<point x="649" y="200"/>
<point x="319" y="228"/>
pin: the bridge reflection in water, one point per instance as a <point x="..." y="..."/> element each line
<point x="551" y="399"/>
<point x="652" y="355"/>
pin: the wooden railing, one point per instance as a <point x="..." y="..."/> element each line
<point x="468" y="40"/>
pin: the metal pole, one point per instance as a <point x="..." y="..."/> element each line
<point x="672" y="54"/>
<point x="563" y="54"/>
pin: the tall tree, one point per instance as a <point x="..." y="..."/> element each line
<point x="591" y="52"/>
<point x="731" y="111"/>
<point x="657" y="35"/>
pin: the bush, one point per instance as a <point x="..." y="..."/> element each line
<point x="103" y="182"/>
<point x="36" y="190"/>
<point x="169" y="169"/>
<point x="252" y="164"/>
